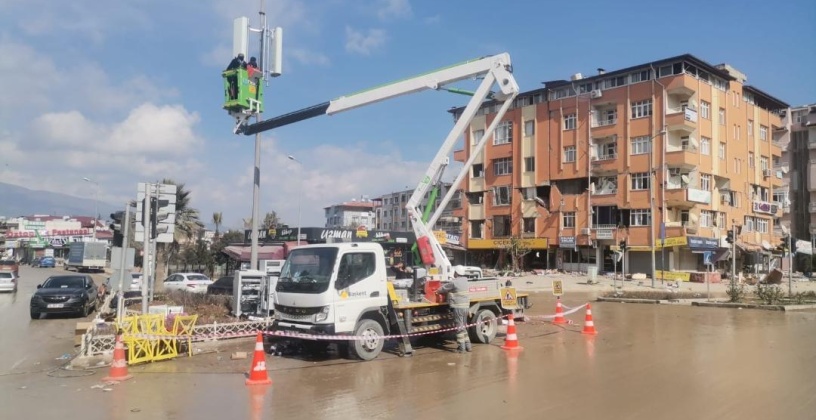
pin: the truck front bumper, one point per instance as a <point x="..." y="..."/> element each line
<point x="296" y="328"/>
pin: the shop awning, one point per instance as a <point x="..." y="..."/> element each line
<point x="722" y="254"/>
<point x="265" y="252"/>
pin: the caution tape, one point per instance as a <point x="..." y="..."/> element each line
<point x="569" y="311"/>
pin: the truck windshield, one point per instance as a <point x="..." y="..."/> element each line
<point x="307" y="270"/>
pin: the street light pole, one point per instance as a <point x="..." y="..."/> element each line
<point x="96" y="205"/>
<point x="652" y="178"/>
<point x="300" y="194"/>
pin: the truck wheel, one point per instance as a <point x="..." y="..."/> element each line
<point x="488" y="326"/>
<point x="372" y="345"/>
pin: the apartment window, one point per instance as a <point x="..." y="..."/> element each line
<point x="476" y="229"/>
<point x="529" y="164"/>
<point x="569" y="121"/>
<point x="529" y="224"/>
<point x="705" y="182"/>
<point x="684" y="217"/>
<point x="721" y="220"/>
<point x="478" y="170"/>
<point x="762" y="225"/>
<point x="529" y="127"/>
<point x="568" y="219"/>
<point x="763" y="133"/>
<point x="504" y="133"/>
<point x="640" y="76"/>
<point x="476" y="136"/>
<point x="641" y="145"/>
<point x="569" y="154"/>
<point x="763" y="163"/>
<point x="748" y="226"/>
<point x="750" y="159"/>
<point x="502" y="166"/>
<point x="780" y="197"/>
<point x="705" y="146"/>
<point x="736" y="199"/>
<point x="706" y="218"/>
<point x="528" y="193"/>
<point x="501" y="195"/>
<point x="642" y="217"/>
<point x="607" y="150"/>
<point x="640" y="181"/>
<point x="750" y="128"/>
<point x="722" y="116"/>
<point x="642" y="108"/>
<point x="705" y="110"/>
<point x="737" y="165"/>
<point x="501" y="226"/>
<point x="722" y="151"/>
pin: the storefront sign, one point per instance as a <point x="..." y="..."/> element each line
<point x="566" y="242"/>
<point x="672" y="275"/>
<point x="441" y="236"/>
<point x="698" y="196"/>
<point x="700" y="243"/>
<point x="532" y="243"/>
<point x="453" y="238"/>
<point x="765" y="207"/>
<point x="320" y="235"/>
<point x="48" y="233"/>
<point x="604" y="234"/>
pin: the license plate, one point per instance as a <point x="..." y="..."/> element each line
<point x="56" y="305"/>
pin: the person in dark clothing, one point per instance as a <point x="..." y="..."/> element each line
<point x="252" y="63"/>
<point x="236" y="63"/>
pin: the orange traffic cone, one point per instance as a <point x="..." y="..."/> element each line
<point x="589" y="326"/>
<point x="257" y="375"/>
<point x="559" y="313"/>
<point x="511" y="339"/>
<point x="118" y="369"/>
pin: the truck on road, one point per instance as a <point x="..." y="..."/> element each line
<point x="87" y="256"/>
<point x="342" y="289"/>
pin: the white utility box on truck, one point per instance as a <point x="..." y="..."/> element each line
<point x="87" y="256"/>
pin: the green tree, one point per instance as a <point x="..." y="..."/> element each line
<point x="270" y="220"/>
<point x="217" y="248"/>
<point x="516" y="249"/>
<point x="187" y="228"/>
<point x="217" y="218"/>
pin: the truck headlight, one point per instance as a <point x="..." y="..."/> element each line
<point x="323" y="314"/>
<point x="276" y="315"/>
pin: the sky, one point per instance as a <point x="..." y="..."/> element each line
<point x="128" y="92"/>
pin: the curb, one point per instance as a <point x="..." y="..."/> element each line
<point x="628" y="300"/>
<point x="783" y="308"/>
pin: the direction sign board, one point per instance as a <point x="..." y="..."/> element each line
<point x="508" y="298"/>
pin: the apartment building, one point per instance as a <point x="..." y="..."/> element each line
<point x="392" y="215"/>
<point x="665" y="156"/>
<point x="800" y="161"/>
<point x="352" y="214"/>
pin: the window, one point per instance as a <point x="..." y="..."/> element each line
<point x="501" y="195"/>
<point x="722" y="151"/>
<point x="722" y="116"/>
<point x="705" y="110"/>
<point x="476" y="228"/>
<point x="780" y="197"/>
<point x="355" y="266"/>
<point x="529" y="164"/>
<point x="735" y="199"/>
<point x="568" y="219"/>
<point x="763" y="133"/>
<point x="706" y="218"/>
<point x="605" y="151"/>
<point x="504" y="133"/>
<point x="640" y="76"/>
<point x="762" y="225"/>
<point x="763" y="163"/>
<point x="569" y="122"/>
<point x="501" y="226"/>
<point x="529" y="127"/>
<point x="502" y="166"/>
<point x="750" y="128"/>
<point x="569" y="154"/>
<point x="750" y="159"/>
<point x="528" y="193"/>
<point x="529" y="225"/>
<point x="721" y="220"/>
<point x="642" y="108"/>
<point x="748" y="226"/>
<point x="684" y="217"/>
<point x="476" y="136"/>
<point x="640" y="218"/>
<point x="478" y="170"/>
<point x="705" y="182"/>
<point x="705" y="146"/>
<point x="641" y="145"/>
<point x="640" y="181"/>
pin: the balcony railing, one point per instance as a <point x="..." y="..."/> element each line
<point x="607" y="156"/>
<point x="604" y="122"/>
<point x="604" y="226"/>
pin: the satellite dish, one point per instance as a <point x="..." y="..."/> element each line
<point x="592" y="188"/>
<point x="765" y="244"/>
<point x="540" y="202"/>
<point x="784" y="229"/>
<point x="685" y="179"/>
<point x="784" y="169"/>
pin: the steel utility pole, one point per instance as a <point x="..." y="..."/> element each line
<point x="120" y="307"/>
<point x="790" y="263"/>
<point x="652" y="178"/>
<point x="734" y="253"/>
<point x="146" y="248"/>
<point x="256" y="187"/>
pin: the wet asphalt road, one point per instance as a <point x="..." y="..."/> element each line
<point x="647" y="362"/>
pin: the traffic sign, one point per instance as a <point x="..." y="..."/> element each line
<point x="558" y="287"/>
<point x="708" y="257"/>
<point x="508" y="298"/>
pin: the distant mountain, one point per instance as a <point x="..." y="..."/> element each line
<point x="19" y="201"/>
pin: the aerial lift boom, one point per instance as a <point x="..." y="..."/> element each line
<point x="496" y="69"/>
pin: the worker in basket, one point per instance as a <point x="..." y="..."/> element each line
<point x="459" y="303"/>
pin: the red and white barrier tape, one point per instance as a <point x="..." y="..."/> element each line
<point x="569" y="311"/>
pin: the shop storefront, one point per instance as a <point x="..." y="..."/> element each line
<point x="493" y="252"/>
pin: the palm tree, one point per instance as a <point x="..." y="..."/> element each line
<point x="187" y="228"/>
<point x="216" y="218"/>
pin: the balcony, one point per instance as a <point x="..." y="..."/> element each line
<point x="681" y="118"/>
<point x="476" y="212"/>
<point x="604" y="122"/>
<point x="686" y="157"/>
<point x="606" y="163"/>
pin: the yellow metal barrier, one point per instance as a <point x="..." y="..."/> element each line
<point x="148" y="339"/>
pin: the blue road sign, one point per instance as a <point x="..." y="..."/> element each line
<point x="707" y="257"/>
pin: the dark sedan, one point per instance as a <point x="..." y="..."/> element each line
<point x="222" y="286"/>
<point x="65" y="294"/>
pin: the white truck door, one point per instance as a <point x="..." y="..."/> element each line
<point x="359" y="286"/>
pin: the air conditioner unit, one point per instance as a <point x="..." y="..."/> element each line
<point x="586" y="231"/>
<point x="595" y="93"/>
<point x="766" y="173"/>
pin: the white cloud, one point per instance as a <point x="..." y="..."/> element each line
<point x="388" y="9"/>
<point x="357" y="42"/>
<point x="304" y="56"/>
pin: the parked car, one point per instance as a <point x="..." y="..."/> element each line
<point x="47" y="262"/>
<point x="222" y="286"/>
<point x="8" y="281"/>
<point x="136" y="282"/>
<point x="35" y="262"/>
<point x="75" y="293"/>
<point x="190" y="282"/>
<point x="10" y="265"/>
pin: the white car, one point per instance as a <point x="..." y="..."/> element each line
<point x="136" y="282"/>
<point x="190" y="282"/>
<point x="8" y="281"/>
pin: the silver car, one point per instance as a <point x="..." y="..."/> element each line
<point x="8" y="281"/>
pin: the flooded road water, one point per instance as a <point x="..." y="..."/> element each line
<point x="648" y="361"/>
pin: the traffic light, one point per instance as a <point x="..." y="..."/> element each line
<point x="116" y="227"/>
<point x="730" y="236"/>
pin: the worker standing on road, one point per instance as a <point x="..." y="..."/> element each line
<point x="460" y="303"/>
